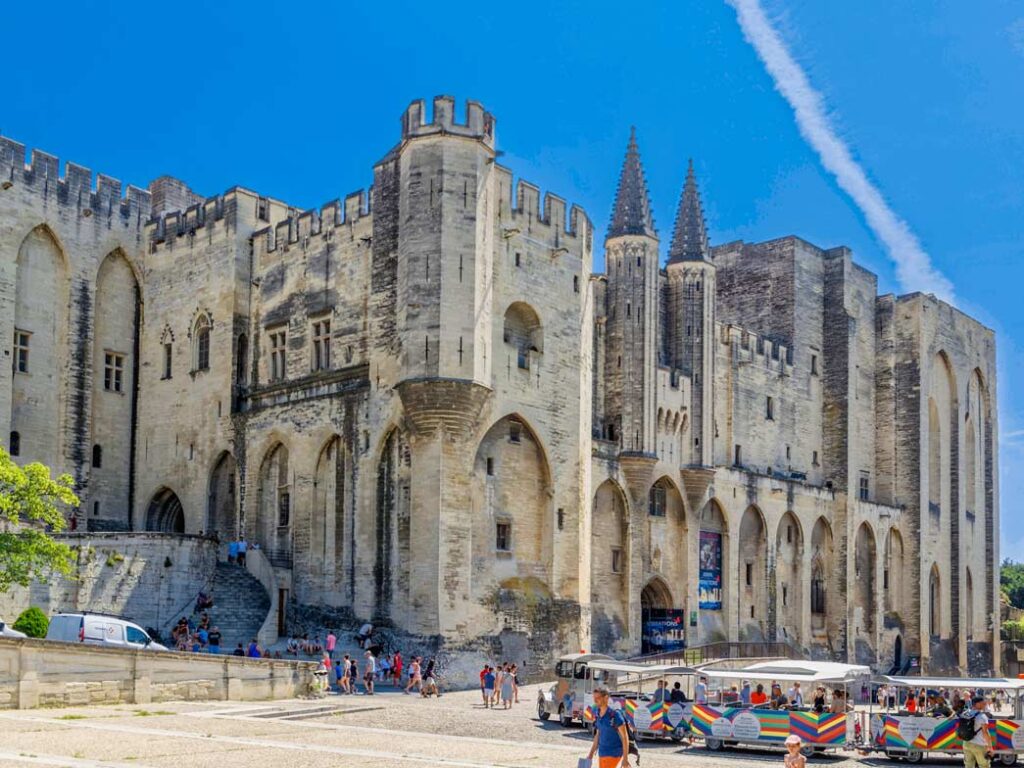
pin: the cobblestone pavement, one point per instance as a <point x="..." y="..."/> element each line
<point x="383" y="731"/>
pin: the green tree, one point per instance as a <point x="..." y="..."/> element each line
<point x="32" y="622"/>
<point x="30" y="510"/>
<point x="1011" y="582"/>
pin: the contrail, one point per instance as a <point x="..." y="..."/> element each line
<point x="914" y="268"/>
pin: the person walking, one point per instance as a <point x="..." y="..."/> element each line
<point x="415" y="678"/>
<point x="515" y="683"/>
<point x="972" y="730"/>
<point x="483" y="688"/>
<point x="331" y="643"/>
<point x="243" y="547"/>
<point x="611" y="736"/>
<point x="369" y="672"/>
<point x="396" y="669"/>
<point x="499" y="675"/>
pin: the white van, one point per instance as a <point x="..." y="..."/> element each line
<point x="97" y="629"/>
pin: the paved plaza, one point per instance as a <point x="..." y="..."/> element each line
<point x="371" y="732"/>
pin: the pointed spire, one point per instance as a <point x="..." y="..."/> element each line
<point x="690" y="238"/>
<point x="632" y="212"/>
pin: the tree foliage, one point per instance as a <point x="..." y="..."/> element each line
<point x="33" y="622"/>
<point x="1011" y="582"/>
<point x="30" y="510"/>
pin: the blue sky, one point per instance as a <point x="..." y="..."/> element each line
<point x="298" y="100"/>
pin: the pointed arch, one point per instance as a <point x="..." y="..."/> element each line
<point x="864" y="583"/>
<point x="609" y="566"/>
<point x="391" y="526"/>
<point x="656" y="596"/>
<point x="789" y="576"/>
<point x="328" y="525"/>
<point x="895" y="574"/>
<point x="165" y="513"/>
<point x="221" y="505"/>
<point x="524" y="332"/>
<point x="116" y="326"/>
<point x="41" y="334"/>
<point x="273" y="524"/>
<point x="822" y="568"/>
<point x="753" y="556"/>
<point x="935" y="602"/>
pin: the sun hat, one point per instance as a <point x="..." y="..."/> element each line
<point x="792" y="739"/>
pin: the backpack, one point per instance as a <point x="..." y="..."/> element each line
<point x="965" y="728"/>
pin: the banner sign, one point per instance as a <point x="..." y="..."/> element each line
<point x="709" y="578"/>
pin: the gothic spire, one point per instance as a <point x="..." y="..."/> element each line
<point x="632" y="212"/>
<point x="690" y="238"/>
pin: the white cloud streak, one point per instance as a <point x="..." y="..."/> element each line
<point x="914" y="268"/>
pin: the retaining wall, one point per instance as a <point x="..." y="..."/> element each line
<point x="42" y="673"/>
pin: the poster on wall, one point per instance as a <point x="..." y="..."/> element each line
<point x="709" y="579"/>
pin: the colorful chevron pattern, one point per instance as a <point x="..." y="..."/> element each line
<point x="1003" y="731"/>
<point x="590" y="713"/>
<point x="944" y="736"/>
<point x="659" y="715"/>
<point x="814" y="728"/>
<point x="892" y="734"/>
<point x="774" y="723"/>
<point x="702" y="718"/>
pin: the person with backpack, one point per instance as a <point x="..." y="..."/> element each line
<point x="972" y="730"/>
<point x="611" y="734"/>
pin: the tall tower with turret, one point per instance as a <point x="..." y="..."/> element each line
<point x="691" y="315"/>
<point x="631" y="261"/>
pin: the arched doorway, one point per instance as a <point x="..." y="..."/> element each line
<point x="327" y="524"/>
<point x="822" y="559"/>
<point x="165" y="513"/>
<point x="272" y="529"/>
<point x="897" y="655"/>
<point x="220" y="501"/>
<point x="661" y="627"/>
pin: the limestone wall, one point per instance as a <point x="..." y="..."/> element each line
<point x="39" y="673"/>
<point x="148" y="578"/>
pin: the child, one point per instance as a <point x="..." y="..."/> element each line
<point x="793" y="757"/>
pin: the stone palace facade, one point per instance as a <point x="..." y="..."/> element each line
<point x="426" y="407"/>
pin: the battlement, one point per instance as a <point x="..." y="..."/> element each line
<point x="75" y="188"/>
<point x="526" y="201"/>
<point x="479" y="123"/>
<point x="750" y="347"/>
<point x="301" y="226"/>
<point x="238" y="207"/>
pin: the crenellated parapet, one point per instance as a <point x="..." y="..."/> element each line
<point x="478" y="124"/>
<point x="522" y="207"/>
<point x="74" y="190"/>
<point x="753" y="348"/>
<point x="308" y="225"/>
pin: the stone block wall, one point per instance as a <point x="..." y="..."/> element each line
<point x="149" y="578"/>
<point x="40" y="673"/>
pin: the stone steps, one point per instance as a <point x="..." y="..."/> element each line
<point x="240" y="605"/>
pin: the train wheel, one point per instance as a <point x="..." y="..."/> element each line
<point x="542" y="711"/>
<point x="1007" y="759"/>
<point x="713" y="744"/>
<point x="914" y="756"/>
<point x="564" y="718"/>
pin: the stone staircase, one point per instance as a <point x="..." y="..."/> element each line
<point x="240" y="605"/>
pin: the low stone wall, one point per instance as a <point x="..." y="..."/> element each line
<point x="147" y="577"/>
<point x="41" y="673"/>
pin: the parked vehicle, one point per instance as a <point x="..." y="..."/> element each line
<point x="911" y="736"/>
<point x="721" y="723"/>
<point x="7" y="631"/>
<point x="98" y="629"/>
<point x="571" y="697"/>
